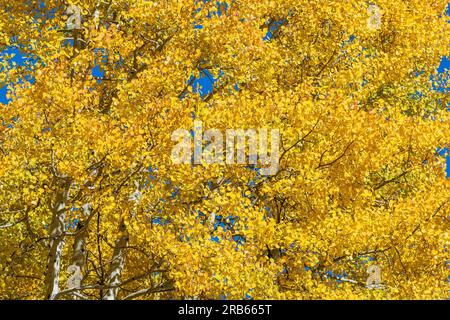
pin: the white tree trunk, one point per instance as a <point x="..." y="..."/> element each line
<point x="79" y="252"/>
<point x="56" y="241"/>
<point x="79" y="244"/>
<point x="113" y="278"/>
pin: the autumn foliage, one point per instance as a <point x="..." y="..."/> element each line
<point x="88" y="186"/>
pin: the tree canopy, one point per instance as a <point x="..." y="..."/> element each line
<point x="92" y="206"/>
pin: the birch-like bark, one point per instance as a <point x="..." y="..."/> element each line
<point x="79" y="256"/>
<point x="113" y="278"/>
<point x="79" y="244"/>
<point x="56" y="240"/>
